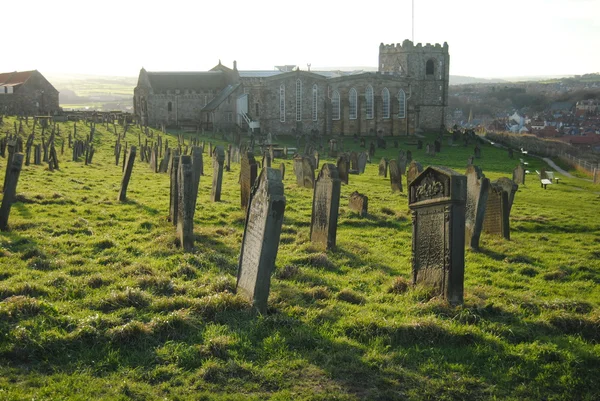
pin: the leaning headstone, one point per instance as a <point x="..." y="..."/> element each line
<point x="261" y="239"/>
<point x="325" y="207"/>
<point x="127" y="173"/>
<point x="414" y="169"/>
<point x="248" y="173"/>
<point x="437" y="200"/>
<point x="343" y="165"/>
<point x="395" y="176"/>
<point x="359" y="203"/>
<point x="477" y="193"/>
<point x="13" y="170"/>
<point x="282" y="170"/>
<point x="174" y="193"/>
<point x="496" y="220"/>
<point x="218" y="160"/>
<point x="362" y="162"/>
<point x="511" y="189"/>
<point x="519" y="175"/>
<point x="383" y="167"/>
<point x="197" y="165"/>
<point x="186" y="206"/>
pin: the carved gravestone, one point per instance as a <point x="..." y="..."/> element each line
<point x="359" y="203"/>
<point x="511" y="189"/>
<point x="496" y="220"/>
<point x="186" y="206"/>
<point x="402" y="160"/>
<point x="477" y="193"/>
<point x="519" y="175"/>
<point x="354" y="162"/>
<point x="477" y="152"/>
<point x="362" y="162"/>
<point x="510" y="153"/>
<point x="218" y="160"/>
<point x="437" y="201"/>
<point x="414" y="169"/>
<point x="437" y="146"/>
<point x="261" y="239"/>
<point x="304" y="171"/>
<point x="248" y="172"/>
<point x="419" y="144"/>
<point x="383" y="167"/>
<point x="395" y="176"/>
<point x="343" y="165"/>
<point x="325" y="208"/>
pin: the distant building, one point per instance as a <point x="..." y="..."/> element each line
<point x="408" y="92"/>
<point x="27" y="92"/>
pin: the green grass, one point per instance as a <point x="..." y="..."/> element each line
<point x="98" y="302"/>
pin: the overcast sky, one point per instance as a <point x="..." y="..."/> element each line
<point x="486" y="39"/>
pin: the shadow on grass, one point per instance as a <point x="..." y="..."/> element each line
<point x="150" y="210"/>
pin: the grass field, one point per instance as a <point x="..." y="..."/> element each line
<point x="98" y="302"/>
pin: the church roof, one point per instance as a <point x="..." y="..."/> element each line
<point x="199" y="81"/>
<point x="15" y="78"/>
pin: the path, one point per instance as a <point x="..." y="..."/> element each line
<point x="560" y="170"/>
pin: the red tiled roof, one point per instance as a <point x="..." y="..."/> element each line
<point x="581" y="140"/>
<point x="16" y="77"/>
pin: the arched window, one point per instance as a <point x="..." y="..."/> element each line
<point x="298" y="100"/>
<point x="282" y="103"/>
<point x="429" y="67"/>
<point x="401" y="104"/>
<point x="369" y="101"/>
<point x="315" y="99"/>
<point x="335" y="106"/>
<point x="352" y="114"/>
<point x="385" y="96"/>
<point x="170" y="107"/>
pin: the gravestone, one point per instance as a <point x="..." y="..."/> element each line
<point x="519" y="175"/>
<point x="477" y="152"/>
<point x="282" y="170"/>
<point x="470" y="160"/>
<point x="343" y="165"/>
<point x="197" y="165"/>
<point x="362" y="162"/>
<point x="354" y="161"/>
<point x="496" y="220"/>
<point x="266" y="160"/>
<point x="218" y="160"/>
<point x="325" y="207"/>
<point x="186" y="206"/>
<point x="261" y="239"/>
<point x="316" y="159"/>
<point x="429" y="149"/>
<point x="408" y="157"/>
<point x="362" y="142"/>
<point x="395" y="176"/>
<point x="402" y="160"/>
<point x="511" y="189"/>
<point x="304" y="171"/>
<point x="13" y="171"/>
<point x="174" y="193"/>
<point x="228" y="158"/>
<point x="372" y="149"/>
<point x="383" y="167"/>
<point x="419" y="144"/>
<point x="437" y="146"/>
<point x="414" y="169"/>
<point x="333" y="151"/>
<point x="477" y="193"/>
<point x="127" y="173"/>
<point x="248" y="173"/>
<point x="437" y="201"/>
<point x="359" y="203"/>
<point x="396" y="143"/>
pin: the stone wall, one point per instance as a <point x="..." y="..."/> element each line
<point x="35" y="96"/>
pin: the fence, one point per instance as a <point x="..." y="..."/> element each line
<point x="581" y="164"/>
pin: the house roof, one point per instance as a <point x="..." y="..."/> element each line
<point x="582" y="140"/>
<point x="199" y="81"/>
<point x="15" y="78"/>
<point x="220" y="98"/>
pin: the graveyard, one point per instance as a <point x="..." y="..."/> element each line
<point x="135" y="292"/>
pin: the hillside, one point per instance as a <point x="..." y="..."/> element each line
<point x="98" y="302"/>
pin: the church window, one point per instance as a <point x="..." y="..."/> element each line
<point x="256" y="110"/>
<point x="315" y="98"/>
<point x="353" y="99"/>
<point x="282" y="103"/>
<point x="170" y="107"/>
<point x="335" y="105"/>
<point x="369" y="101"/>
<point x="385" y="96"/>
<point x="401" y="104"/>
<point x="298" y="100"/>
<point x="429" y="67"/>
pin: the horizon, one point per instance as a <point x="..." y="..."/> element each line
<point x="182" y="38"/>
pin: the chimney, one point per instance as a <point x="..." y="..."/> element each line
<point x="234" y="65"/>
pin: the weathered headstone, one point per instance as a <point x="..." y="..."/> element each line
<point x="414" y="169"/>
<point x="186" y="206"/>
<point x="437" y="146"/>
<point x="13" y="170"/>
<point x="496" y="220"/>
<point x="228" y="158"/>
<point x="383" y="167"/>
<point x="362" y="162"/>
<point x="127" y="173"/>
<point x="511" y="189"/>
<point x="248" y="173"/>
<point x="261" y="239"/>
<point x="519" y="175"/>
<point x="343" y="165"/>
<point x="402" y="160"/>
<point x="304" y="171"/>
<point x="395" y="176"/>
<point x="437" y="200"/>
<point x="359" y="203"/>
<point x="218" y="160"/>
<point x="372" y="149"/>
<point x="325" y="208"/>
<point x="354" y="161"/>
<point x="333" y="151"/>
<point x="197" y="165"/>
<point x="316" y="159"/>
<point x="266" y="160"/>
<point x="477" y="193"/>
<point x="470" y="160"/>
<point x="174" y="193"/>
<point x="282" y="170"/>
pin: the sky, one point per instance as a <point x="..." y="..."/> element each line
<point x="486" y="39"/>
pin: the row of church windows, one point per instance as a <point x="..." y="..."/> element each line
<point x="336" y="103"/>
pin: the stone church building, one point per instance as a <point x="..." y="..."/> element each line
<point x="27" y="93"/>
<point x="409" y="91"/>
